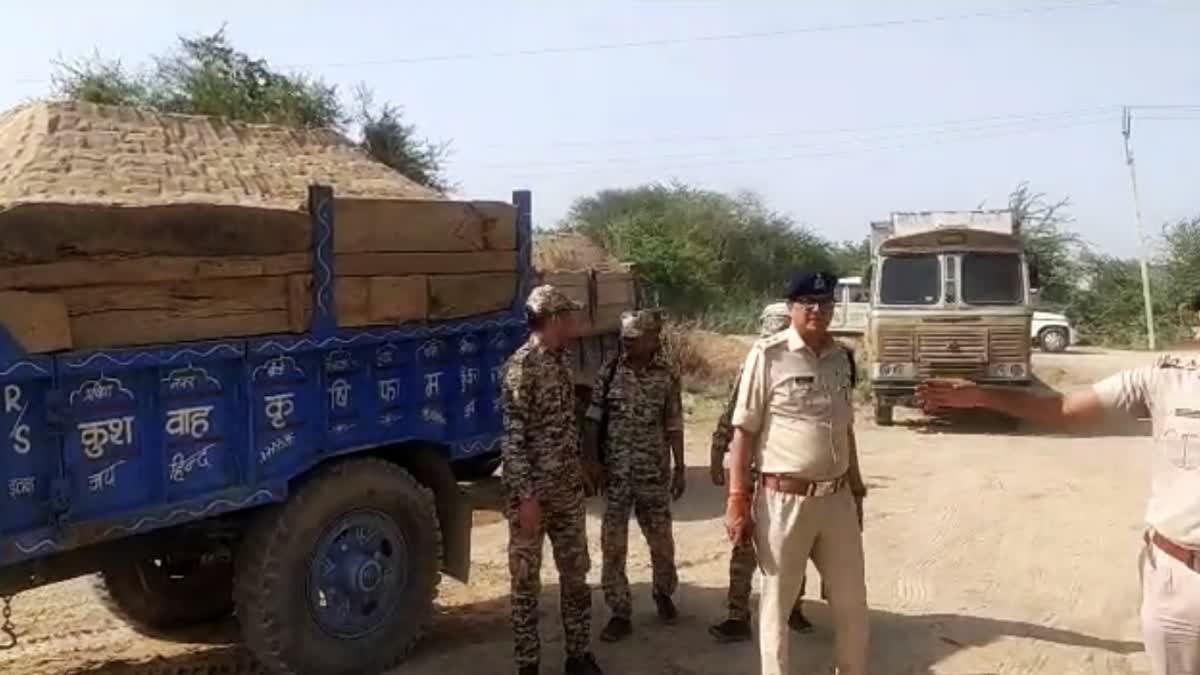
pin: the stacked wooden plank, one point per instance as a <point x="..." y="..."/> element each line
<point x="118" y="249"/>
<point x="604" y="292"/>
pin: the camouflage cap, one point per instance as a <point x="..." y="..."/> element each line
<point x="637" y="324"/>
<point x="774" y="318"/>
<point x="547" y="300"/>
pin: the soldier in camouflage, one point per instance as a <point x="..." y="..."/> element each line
<point x="544" y="483"/>
<point x="636" y="425"/>
<point x="742" y="560"/>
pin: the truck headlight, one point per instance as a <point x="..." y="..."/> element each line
<point x="895" y="370"/>
<point x="1007" y="370"/>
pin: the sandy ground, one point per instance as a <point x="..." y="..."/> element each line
<point x="986" y="553"/>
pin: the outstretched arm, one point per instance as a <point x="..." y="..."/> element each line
<point x="1078" y="408"/>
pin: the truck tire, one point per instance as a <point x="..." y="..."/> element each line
<point x="884" y="414"/>
<point x="156" y="595"/>
<point x="340" y="579"/>
<point x="1053" y="339"/>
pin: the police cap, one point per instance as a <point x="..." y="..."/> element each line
<point x="812" y="286"/>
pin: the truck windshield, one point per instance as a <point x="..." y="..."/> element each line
<point x="991" y="279"/>
<point x="910" y="280"/>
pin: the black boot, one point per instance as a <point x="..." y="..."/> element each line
<point x="617" y="629"/>
<point x="582" y="665"/>
<point x="731" y="630"/>
<point x="798" y="623"/>
<point x="667" y="613"/>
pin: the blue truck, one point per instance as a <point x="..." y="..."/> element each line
<point x="306" y="482"/>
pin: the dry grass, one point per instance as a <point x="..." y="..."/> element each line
<point x="568" y="252"/>
<point x="707" y="361"/>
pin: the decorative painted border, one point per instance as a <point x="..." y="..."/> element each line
<point x="476" y="446"/>
<point x="217" y="505"/>
<point x="320" y="210"/>
<point x="373" y="336"/>
<point x="13" y="368"/>
<point x="154" y="357"/>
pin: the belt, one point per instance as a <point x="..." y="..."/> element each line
<point x="1184" y="555"/>
<point x="792" y="485"/>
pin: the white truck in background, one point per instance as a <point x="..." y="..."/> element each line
<point x="950" y="297"/>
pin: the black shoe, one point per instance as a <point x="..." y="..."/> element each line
<point x="531" y="669"/>
<point x="666" y="609"/>
<point x="582" y="665"/>
<point x="798" y="623"/>
<point x="731" y="630"/>
<point x="617" y="629"/>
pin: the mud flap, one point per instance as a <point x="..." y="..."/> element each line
<point x="431" y="468"/>
<point x="456" y="517"/>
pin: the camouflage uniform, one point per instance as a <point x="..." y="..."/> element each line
<point x="542" y="459"/>
<point x="644" y="409"/>
<point x="742" y="560"/>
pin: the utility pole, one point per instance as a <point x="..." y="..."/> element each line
<point x="1126" y="131"/>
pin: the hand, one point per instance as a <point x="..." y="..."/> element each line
<point x="678" y="483"/>
<point x="716" y="473"/>
<point x="943" y="394"/>
<point x="738" y="519"/>
<point x="529" y="517"/>
<point x="593" y="478"/>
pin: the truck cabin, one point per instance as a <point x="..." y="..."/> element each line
<point x="952" y="268"/>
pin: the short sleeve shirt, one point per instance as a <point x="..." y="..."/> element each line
<point x="799" y="405"/>
<point x="1170" y="391"/>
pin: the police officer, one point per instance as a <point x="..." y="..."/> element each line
<point x="1170" y="557"/>
<point x="794" y="417"/>
<point x="636" y="423"/>
<point x="543" y="481"/>
<point x="742" y="563"/>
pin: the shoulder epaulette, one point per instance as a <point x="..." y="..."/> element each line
<point x="775" y="340"/>
<point x="1180" y="361"/>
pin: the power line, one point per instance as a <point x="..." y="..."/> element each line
<point x="1015" y="125"/>
<point x="652" y="140"/>
<point x="700" y="39"/>
<point x="726" y="37"/>
<point x="833" y="152"/>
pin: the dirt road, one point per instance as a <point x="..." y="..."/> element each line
<point x="985" y="554"/>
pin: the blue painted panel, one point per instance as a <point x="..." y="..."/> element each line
<point x="30" y="456"/>
<point x="107" y="441"/>
<point x="348" y="396"/>
<point x="287" y="413"/>
<point x="202" y="434"/>
<point x="393" y="371"/>
<point x="435" y="388"/>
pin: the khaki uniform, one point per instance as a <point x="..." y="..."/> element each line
<point x="797" y="404"/>
<point x="1170" y="390"/>
<point x="644" y="408"/>
<point x="542" y="459"/>
<point x="742" y="561"/>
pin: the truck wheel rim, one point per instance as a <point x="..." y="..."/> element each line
<point x="1054" y="340"/>
<point x="357" y="574"/>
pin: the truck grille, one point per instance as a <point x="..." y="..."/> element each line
<point x="1008" y="345"/>
<point x="895" y="347"/>
<point x="952" y="354"/>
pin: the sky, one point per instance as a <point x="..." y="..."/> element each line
<point x="835" y="113"/>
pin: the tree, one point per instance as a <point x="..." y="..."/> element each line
<point x="1052" y="249"/>
<point x="701" y="253"/>
<point x="852" y="258"/>
<point x="206" y="75"/>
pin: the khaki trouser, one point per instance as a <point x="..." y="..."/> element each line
<point x="788" y="529"/>
<point x="1170" y="613"/>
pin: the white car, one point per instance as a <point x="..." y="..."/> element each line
<point x="1052" y="332"/>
